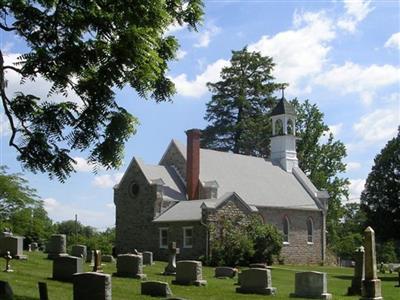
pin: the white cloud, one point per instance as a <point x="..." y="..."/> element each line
<point x="299" y="53"/>
<point x="380" y="125"/>
<point x="336" y="129"/>
<point x="51" y="204"/>
<point x="40" y="87"/>
<point x="356" y="11"/>
<point x="174" y="27"/>
<point x="82" y="165"/>
<point x="352" y="165"/>
<point x="393" y="41"/>
<point x="107" y="180"/>
<point x="180" y="54"/>
<point x="204" y="37"/>
<point x="197" y="87"/>
<point x="4" y="126"/>
<point x="354" y="78"/>
<point x="355" y="188"/>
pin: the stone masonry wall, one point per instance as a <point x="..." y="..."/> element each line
<point x="174" y="158"/>
<point x="298" y="250"/>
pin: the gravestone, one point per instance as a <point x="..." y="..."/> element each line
<point x="79" y="251"/>
<point x="14" y="244"/>
<point x="355" y="288"/>
<point x="371" y="285"/>
<point x="57" y="246"/>
<point x="311" y="285"/>
<point x="43" y="295"/>
<point x="34" y="246"/>
<point x="107" y="258"/>
<point x="92" y="285"/>
<point x="258" y="266"/>
<point x="170" y="269"/>
<point x="224" y="272"/>
<point x="8" y="258"/>
<point x="97" y="261"/>
<point x="130" y="265"/>
<point x="6" y="292"/>
<point x="148" y="258"/>
<point x="155" y="289"/>
<point x="65" y="266"/>
<point x="256" y="281"/>
<point x="189" y="272"/>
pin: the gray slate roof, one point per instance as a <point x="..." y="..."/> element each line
<point x="283" y="107"/>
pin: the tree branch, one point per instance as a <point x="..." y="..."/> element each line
<point x="12" y="68"/>
<point x="5" y="28"/>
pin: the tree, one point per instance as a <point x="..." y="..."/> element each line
<point x="15" y="194"/>
<point x="380" y="198"/>
<point x="89" y="48"/>
<point x="238" y="110"/>
<point x="322" y="161"/>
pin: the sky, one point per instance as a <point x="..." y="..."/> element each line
<point x="342" y="55"/>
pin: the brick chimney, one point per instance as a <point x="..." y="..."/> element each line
<point x="193" y="163"/>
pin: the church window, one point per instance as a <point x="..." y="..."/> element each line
<point x="134" y="189"/>
<point x="164" y="237"/>
<point x="278" y="127"/>
<point x="187" y="237"/>
<point x="310" y="229"/>
<point x="290" y="127"/>
<point x="285" y="230"/>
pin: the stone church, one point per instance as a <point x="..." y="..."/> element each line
<point x="176" y="199"/>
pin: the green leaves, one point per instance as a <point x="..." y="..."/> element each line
<point x="90" y="48"/>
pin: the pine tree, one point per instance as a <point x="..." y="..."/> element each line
<point x="380" y="199"/>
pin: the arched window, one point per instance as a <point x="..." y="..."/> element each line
<point x="290" y="127"/>
<point x="278" y="127"/>
<point x="285" y="230"/>
<point x="310" y="229"/>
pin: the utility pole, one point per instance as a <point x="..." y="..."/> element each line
<point x="76" y="228"/>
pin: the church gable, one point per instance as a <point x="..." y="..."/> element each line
<point x="175" y="156"/>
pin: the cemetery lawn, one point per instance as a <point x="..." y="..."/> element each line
<point x="37" y="268"/>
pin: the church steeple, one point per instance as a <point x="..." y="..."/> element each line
<point x="283" y="140"/>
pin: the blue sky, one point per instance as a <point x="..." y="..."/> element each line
<point x="342" y="55"/>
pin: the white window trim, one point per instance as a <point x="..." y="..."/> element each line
<point x="160" y="230"/>
<point x="312" y="231"/>
<point x="286" y="219"/>
<point x="184" y="236"/>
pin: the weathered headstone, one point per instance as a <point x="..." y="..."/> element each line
<point x="34" y="246"/>
<point x="189" y="272"/>
<point x="57" y="246"/>
<point x="107" y="258"/>
<point x="311" y="285"/>
<point x="147" y="258"/>
<point x="130" y="265"/>
<point x="65" y="266"/>
<point x="43" y="295"/>
<point x="97" y="262"/>
<point x="79" y="251"/>
<point x="6" y="292"/>
<point x="155" y="289"/>
<point x="355" y="288"/>
<point x="92" y="285"/>
<point x="170" y="269"/>
<point x="256" y="281"/>
<point x="8" y="258"/>
<point x="371" y="285"/>
<point x="14" y="244"/>
<point x="224" y="272"/>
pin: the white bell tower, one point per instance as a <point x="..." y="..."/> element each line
<point x="283" y="140"/>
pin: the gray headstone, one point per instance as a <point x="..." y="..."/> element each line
<point x="256" y="281"/>
<point x="371" y="285"/>
<point x="65" y="266"/>
<point x="14" y="244"/>
<point x="355" y="288"/>
<point x="170" y="269"/>
<point x="79" y="251"/>
<point x="155" y="289"/>
<point x="107" y="258"/>
<point x="189" y="272"/>
<point x="223" y="272"/>
<point x="311" y="285"/>
<point x="147" y="258"/>
<point x="130" y="265"/>
<point x="92" y="285"/>
<point x="34" y="246"/>
<point x="6" y="292"/>
<point x="57" y="246"/>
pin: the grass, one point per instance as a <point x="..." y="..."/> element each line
<point x="37" y="268"/>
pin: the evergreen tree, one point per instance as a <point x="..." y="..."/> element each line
<point x="238" y="111"/>
<point x="380" y="199"/>
<point x="90" y="47"/>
